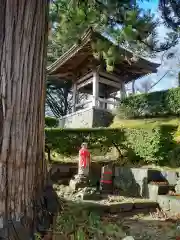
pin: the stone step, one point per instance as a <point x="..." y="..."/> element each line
<point x="132" y="207"/>
<point x="156" y="189"/>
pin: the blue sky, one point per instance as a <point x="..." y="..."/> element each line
<point x="171" y="79"/>
<point x="151" y="4"/>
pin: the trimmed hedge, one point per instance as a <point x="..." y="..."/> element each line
<point x="68" y="141"/>
<point x="51" y="122"/>
<point x="153" y="144"/>
<point x="155" y="104"/>
<point x="149" y="144"/>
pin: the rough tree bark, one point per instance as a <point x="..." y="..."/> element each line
<point x="23" y="36"/>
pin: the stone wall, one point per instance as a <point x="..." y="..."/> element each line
<point x="86" y="118"/>
<point x="135" y="181"/>
<point x="130" y="181"/>
<point x="79" y="119"/>
<point x="101" y="118"/>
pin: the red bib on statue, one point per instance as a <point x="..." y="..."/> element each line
<point x="84" y="155"/>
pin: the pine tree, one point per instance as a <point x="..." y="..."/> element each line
<point x="170" y="13"/>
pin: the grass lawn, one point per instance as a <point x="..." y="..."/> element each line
<point x="144" y="122"/>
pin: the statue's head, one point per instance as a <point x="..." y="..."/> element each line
<point x="84" y="145"/>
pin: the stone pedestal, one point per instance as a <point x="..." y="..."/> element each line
<point x="88" y="193"/>
<point x="79" y="181"/>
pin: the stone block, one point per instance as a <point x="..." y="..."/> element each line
<point x="139" y="174"/>
<point x="164" y="189"/>
<point x="120" y="207"/>
<point x="75" y="184"/>
<point x="170" y="176"/>
<point x="174" y="204"/>
<point x="124" y="179"/>
<point x="101" y="118"/>
<point x="155" y="190"/>
<point x="143" y="188"/>
<point x="86" y="118"/>
<point x="128" y="238"/>
<point x="164" y="202"/>
<point x="149" y="205"/>
<point x="94" y="196"/>
<point x="135" y="181"/>
<point x="88" y="193"/>
<point x="154" y="175"/>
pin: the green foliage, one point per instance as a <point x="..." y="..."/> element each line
<point x="81" y="222"/>
<point x="144" y="123"/>
<point x="51" y="122"/>
<point x="37" y="236"/>
<point x="149" y="144"/>
<point x="68" y="141"/>
<point x="123" y="21"/>
<point x="170" y="13"/>
<point x="152" y="144"/>
<point x="155" y="104"/>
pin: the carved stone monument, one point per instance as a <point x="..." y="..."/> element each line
<point x="81" y="180"/>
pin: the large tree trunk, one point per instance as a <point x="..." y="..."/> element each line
<point x="23" y="36"/>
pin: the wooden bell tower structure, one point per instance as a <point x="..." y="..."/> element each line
<point x="89" y="76"/>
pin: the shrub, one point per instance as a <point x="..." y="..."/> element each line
<point x="155" y="104"/>
<point x="51" y="122"/>
<point x="150" y="144"/>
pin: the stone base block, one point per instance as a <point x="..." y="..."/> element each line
<point x="164" y="202"/>
<point x="155" y="190"/>
<point x="120" y="207"/>
<point x="75" y="185"/>
<point x="128" y="238"/>
<point x="148" y="205"/>
<point x="170" y="176"/>
<point x="89" y="193"/>
<point x="78" y="182"/>
<point x="169" y="203"/>
<point x="175" y="204"/>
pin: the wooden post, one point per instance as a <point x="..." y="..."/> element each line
<point x="106" y="98"/>
<point x="95" y="88"/>
<point x="74" y="97"/>
<point x="123" y="90"/>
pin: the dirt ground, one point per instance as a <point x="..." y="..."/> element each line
<point x="145" y="227"/>
<point x="76" y="223"/>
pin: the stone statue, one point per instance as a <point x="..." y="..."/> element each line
<point x="84" y="161"/>
<point x="81" y="180"/>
